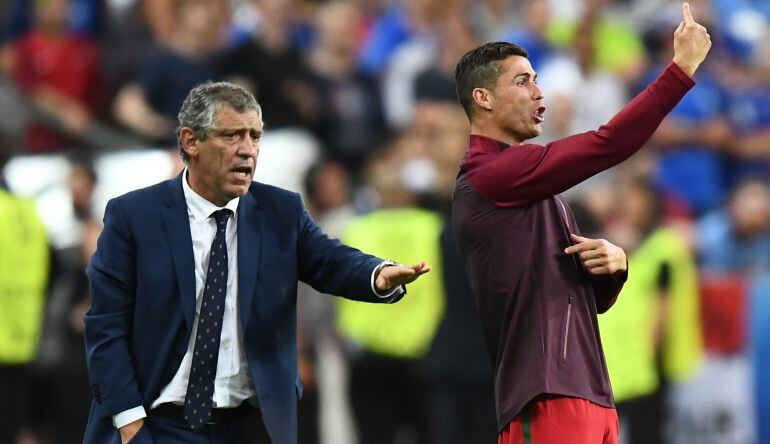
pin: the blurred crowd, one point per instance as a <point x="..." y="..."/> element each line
<point x="361" y="118"/>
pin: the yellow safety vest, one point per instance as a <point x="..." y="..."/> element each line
<point x="24" y="263"/>
<point x="627" y="328"/>
<point x="404" y="329"/>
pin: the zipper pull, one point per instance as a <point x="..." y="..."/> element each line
<point x="570" y="300"/>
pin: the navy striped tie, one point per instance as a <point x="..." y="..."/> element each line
<point x="200" y="388"/>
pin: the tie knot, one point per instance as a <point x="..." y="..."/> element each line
<point x="221" y="216"/>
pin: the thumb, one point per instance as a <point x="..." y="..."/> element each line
<point x="679" y="28"/>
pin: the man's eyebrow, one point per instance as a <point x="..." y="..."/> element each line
<point x="524" y="74"/>
<point x="235" y="129"/>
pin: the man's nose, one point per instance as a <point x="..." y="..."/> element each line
<point x="538" y="93"/>
<point x="248" y="147"/>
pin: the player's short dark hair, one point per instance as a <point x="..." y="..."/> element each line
<point x="479" y="68"/>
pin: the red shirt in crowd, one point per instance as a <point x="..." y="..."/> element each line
<point x="68" y="65"/>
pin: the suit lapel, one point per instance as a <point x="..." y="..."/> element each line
<point x="249" y="232"/>
<point x="177" y="225"/>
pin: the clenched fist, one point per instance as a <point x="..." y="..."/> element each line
<point x="691" y="43"/>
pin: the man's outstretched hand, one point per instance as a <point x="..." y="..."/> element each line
<point x="691" y="43"/>
<point x="599" y="257"/>
<point x="391" y="277"/>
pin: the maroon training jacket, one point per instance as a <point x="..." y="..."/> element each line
<point x="537" y="304"/>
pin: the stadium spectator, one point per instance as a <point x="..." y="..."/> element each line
<point x="323" y="411"/>
<point x="531" y="31"/>
<point x="24" y="276"/>
<point x="148" y="106"/>
<point x="59" y="73"/>
<point x="271" y="65"/>
<point x="386" y="345"/>
<point x="652" y="335"/>
<point x="693" y="140"/>
<point x="346" y="102"/>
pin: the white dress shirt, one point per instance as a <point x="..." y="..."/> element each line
<point x="233" y="383"/>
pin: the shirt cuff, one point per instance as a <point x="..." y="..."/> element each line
<point x="398" y="291"/>
<point x="128" y="416"/>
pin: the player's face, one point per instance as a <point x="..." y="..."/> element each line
<point x="223" y="164"/>
<point x="516" y="100"/>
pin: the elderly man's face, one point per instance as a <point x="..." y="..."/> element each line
<point x="222" y="166"/>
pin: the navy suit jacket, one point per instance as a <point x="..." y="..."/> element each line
<point x="143" y="298"/>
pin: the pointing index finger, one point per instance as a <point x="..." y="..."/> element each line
<point x="581" y="247"/>
<point x="577" y="238"/>
<point x="688" y="20"/>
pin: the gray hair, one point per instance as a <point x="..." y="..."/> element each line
<point x="201" y="105"/>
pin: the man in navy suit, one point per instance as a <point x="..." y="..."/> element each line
<point x="191" y="335"/>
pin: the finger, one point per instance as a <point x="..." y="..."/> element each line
<point x="589" y="244"/>
<point x="577" y="248"/>
<point x="396" y="272"/>
<point x="417" y="267"/>
<point x="592" y="254"/>
<point x="578" y="239"/>
<point x="599" y="270"/>
<point x="687" y="14"/>
<point x="592" y="263"/>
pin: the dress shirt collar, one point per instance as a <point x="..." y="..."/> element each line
<point x="199" y="207"/>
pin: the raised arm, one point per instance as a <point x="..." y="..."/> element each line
<point x="523" y="174"/>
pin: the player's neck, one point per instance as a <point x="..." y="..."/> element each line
<point x="493" y="132"/>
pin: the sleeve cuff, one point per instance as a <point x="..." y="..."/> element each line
<point x="394" y="293"/>
<point x="621" y="276"/>
<point x="128" y="416"/>
<point x="686" y="80"/>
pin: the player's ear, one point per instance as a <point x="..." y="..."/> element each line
<point x="483" y="98"/>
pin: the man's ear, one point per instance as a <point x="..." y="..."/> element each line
<point x="483" y="98"/>
<point x="189" y="141"/>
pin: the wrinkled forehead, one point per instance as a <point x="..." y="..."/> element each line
<point x="228" y="117"/>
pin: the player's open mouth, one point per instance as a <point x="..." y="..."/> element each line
<point x="538" y="115"/>
<point x="242" y="172"/>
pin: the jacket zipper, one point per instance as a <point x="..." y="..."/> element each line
<point x="567" y="231"/>
<point x="566" y="326"/>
